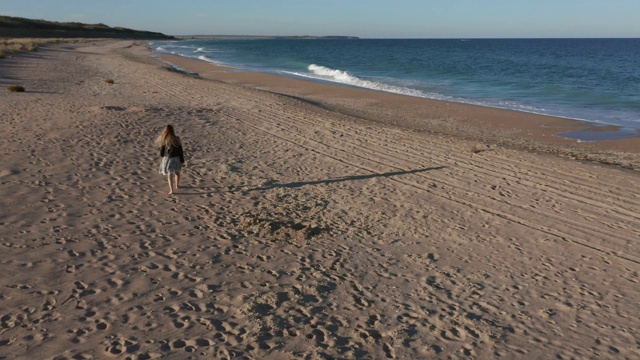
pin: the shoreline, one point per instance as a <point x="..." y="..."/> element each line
<point x="532" y="131"/>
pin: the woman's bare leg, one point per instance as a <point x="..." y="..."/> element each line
<point x="177" y="179"/>
<point x="169" y="181"/>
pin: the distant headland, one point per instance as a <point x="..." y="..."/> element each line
<point x="16" y="27"/>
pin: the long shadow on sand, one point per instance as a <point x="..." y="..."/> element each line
<point x="346" y="178"/>
<point x="196" y="190"/>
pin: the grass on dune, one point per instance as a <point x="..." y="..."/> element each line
<point x="9" y="45"/>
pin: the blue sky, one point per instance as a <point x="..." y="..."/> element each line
<point x="363" y="18"/>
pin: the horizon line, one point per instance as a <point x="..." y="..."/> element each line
<point x="403" y="38"/>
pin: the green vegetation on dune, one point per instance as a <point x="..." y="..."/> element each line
<point x="15" y="27"/>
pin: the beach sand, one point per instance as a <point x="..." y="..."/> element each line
<point x="313" y="222"/>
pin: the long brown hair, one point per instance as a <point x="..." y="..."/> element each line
<point x="168" y="138"/>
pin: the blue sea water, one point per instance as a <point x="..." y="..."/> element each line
<point x="595" y="80"/>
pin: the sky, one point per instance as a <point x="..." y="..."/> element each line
<point x="362" y="18"/>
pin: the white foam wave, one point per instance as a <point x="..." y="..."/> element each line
<point x="334" y="75"/>
<point x="338" y="75"/>
<point x="209" y="60"/>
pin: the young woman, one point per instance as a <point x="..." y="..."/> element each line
<point x="172" y="156"/>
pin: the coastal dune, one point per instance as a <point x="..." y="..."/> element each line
<point x="312" y="221"/>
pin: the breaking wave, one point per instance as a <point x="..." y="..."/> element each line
<point x="334" y="75"/>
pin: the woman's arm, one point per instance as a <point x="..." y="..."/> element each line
<point x="181" y="154"/>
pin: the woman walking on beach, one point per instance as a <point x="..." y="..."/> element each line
<point x="172" y="156"/>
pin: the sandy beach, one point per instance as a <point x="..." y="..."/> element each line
<point x="313" y="221"/>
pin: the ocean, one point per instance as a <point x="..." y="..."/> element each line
<point x="594" y="80"/>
